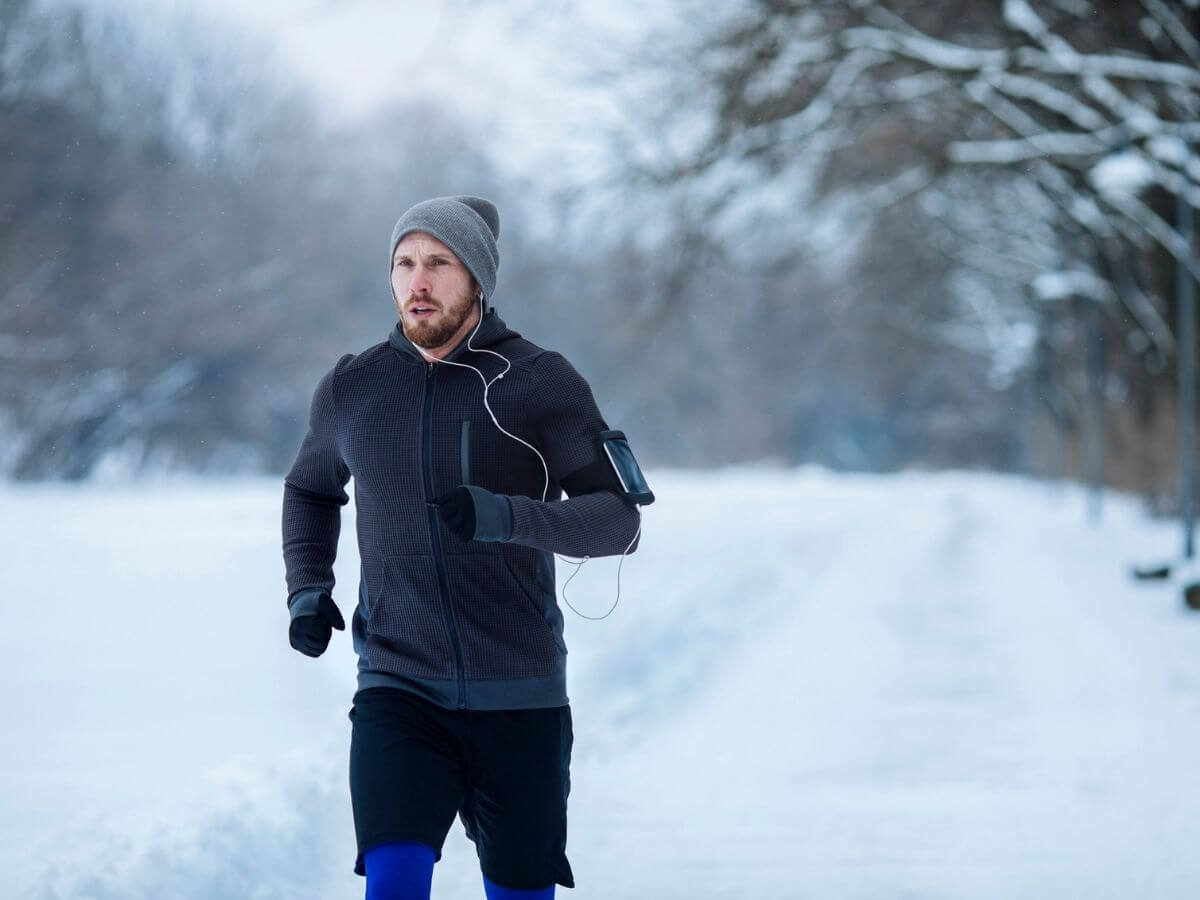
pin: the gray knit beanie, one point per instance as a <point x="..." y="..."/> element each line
<point x="467" y="225"/>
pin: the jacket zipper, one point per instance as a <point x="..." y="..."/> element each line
<point x="443" y="584"/>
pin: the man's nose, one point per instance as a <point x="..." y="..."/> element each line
<point x="419" y="283"/>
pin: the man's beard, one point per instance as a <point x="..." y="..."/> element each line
<point x="431" y="335"/>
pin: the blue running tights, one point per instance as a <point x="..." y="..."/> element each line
<point x="495" y="892"/>
<point x="404" y="871"/>
<point x="400" y="871"/>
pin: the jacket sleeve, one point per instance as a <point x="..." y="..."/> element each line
<point x="313" y="496"/>
<point x="596" y="520"/>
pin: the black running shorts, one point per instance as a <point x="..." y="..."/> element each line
<point x="505" y="773"/>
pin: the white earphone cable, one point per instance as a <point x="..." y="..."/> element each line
<point x="578" y="563"/>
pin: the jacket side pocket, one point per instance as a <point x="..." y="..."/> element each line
<point x="406" y="631"/>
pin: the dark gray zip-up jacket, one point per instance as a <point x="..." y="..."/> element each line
<point x="466" y="624"/>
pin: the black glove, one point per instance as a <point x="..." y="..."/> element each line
<point x="475" y="514"/>
<point x="457" y="509"/>
<point x="310" y="634"/>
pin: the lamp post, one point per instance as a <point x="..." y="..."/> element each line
<point x="1088" y="316"/>
<point x="1187" y="375"/>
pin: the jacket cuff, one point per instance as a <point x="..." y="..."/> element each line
<point x="493" y="514"/>
<point x="305" y="602"/>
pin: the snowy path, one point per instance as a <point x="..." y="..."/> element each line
<point x="924" y="686"/>
<point x="964" y="701"/>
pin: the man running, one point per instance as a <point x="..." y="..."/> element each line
<point x="461" y="437"/>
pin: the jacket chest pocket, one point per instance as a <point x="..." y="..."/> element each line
<point x="464" y="451"/>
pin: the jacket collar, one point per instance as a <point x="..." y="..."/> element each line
<point x="491" y="331"/>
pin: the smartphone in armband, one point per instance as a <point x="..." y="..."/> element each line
<point x="626" y="467"/>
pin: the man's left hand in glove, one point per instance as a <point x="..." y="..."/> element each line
<point x="475" y="514"/>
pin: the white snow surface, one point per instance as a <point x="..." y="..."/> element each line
<point x="927" y="685"/>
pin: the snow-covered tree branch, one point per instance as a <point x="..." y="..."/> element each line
<point x="1053" y="138"/>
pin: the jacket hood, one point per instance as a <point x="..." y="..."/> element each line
<point x="491" y="331"/>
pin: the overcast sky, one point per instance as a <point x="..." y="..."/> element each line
<point x="515" y="67"/>
<point x="360" y="52"/>
<point x="521" y="72"/>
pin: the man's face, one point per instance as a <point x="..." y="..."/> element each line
<point x="434" y="292"/>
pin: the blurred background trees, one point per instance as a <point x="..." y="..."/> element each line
<point x="1007" y="173"/>
<point x="866" y="234"/>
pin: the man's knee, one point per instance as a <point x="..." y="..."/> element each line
<point x="399" y="871"/>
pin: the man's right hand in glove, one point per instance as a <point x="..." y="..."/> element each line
<point x="310" y="631"/>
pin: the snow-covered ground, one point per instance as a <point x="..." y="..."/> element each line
<point x="814" y="685"/>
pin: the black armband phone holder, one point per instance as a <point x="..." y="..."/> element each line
<point x="625" y="467"/>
